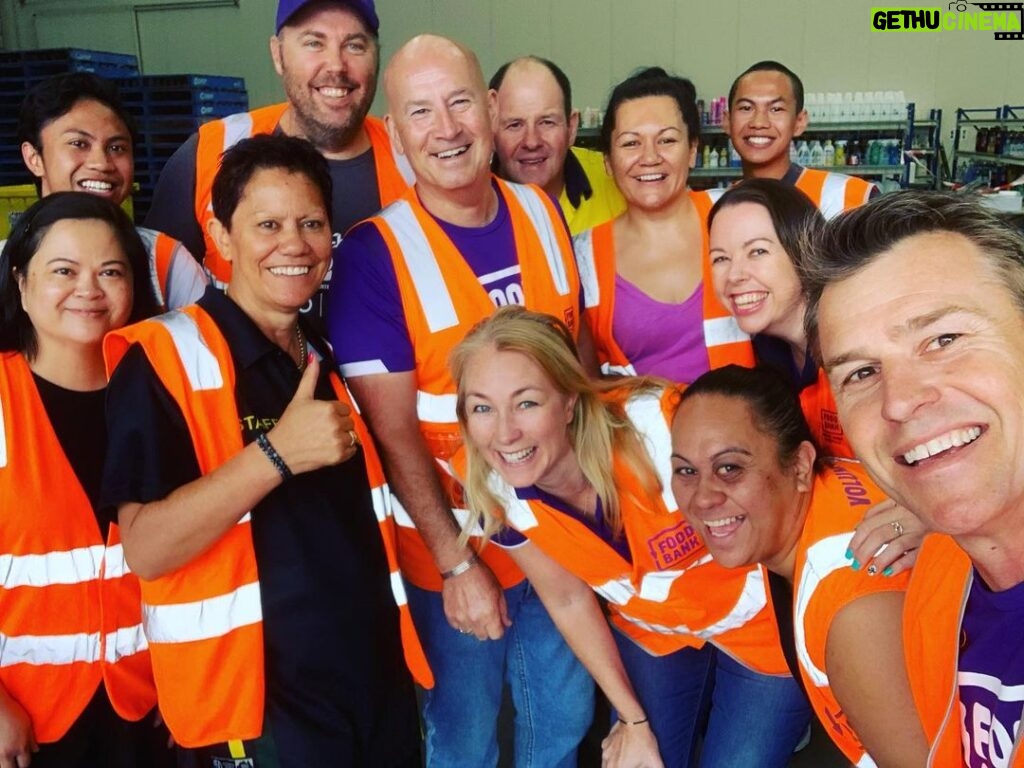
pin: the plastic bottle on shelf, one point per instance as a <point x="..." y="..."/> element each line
<point x="713" y="158"/>
<point x="860" y="107"/>
<point x="981" y="140"/>
<point x="846" y="108"/>
<point x="792" y="152"/>
<point x="723" y="156"/>
<point x="706" y="155"/>
<point x="813" y="106"/>
<point x="829" y="153"/>
<point x="735" y="161"/>
<point x="840" y="157"/>
<point x="872" y="155"/>
<point x="803" y="153"/>
<point x="853" y="153"/>
<point x="817" y="153"/>
<point x="896" y="152"/>
<point x="999" y="145"/>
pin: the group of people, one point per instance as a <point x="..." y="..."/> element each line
<point x="455" y="403"/>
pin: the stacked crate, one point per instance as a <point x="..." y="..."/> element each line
<point x="168" y="109"/>
<point x="20" y="70"/>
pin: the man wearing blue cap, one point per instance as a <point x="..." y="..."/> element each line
<point x="327" y="55"/>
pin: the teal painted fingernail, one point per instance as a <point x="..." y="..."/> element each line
<point x="855" y="565"/>
<point x="849" y="554"/>
<point x="887" y="571"/>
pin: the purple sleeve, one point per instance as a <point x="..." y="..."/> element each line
<point x="508" y="538"/>
<point x="365" y="319"/>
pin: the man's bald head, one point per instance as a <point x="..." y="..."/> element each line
<point x="428" y="48"/>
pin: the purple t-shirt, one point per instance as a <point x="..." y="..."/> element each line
<point x="510" y="538"/>
<point x="991" y="674"/>
<point x="365" y="318"/>
<point x="660" y="339"/>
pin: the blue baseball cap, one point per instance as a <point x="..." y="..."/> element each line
<point x="363" y="8"/>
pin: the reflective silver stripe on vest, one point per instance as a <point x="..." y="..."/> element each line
<point x="823" y="558"/>
<point x="833" y="194"/>
<point x="723" y="330"/>
<point x="114" y="564"/>
<point x="403" y="518"/>
<point x="618" y="370"/>
<point x="644" y="411"/>
<point x="236" y="128"/>
<point x="545" y="229"/>
<point x="715" y="194"/>
<point x="415" y="251"/>
<point x="583" y="246"/>
<point x="3" y="437"/>
<point x="439" y="409"/>
<point x="404" y="168"/>
<point x="866" y="762"/>
<point x="752" y="601"/>
<point x="73" y="566"/>
<point x="124" y="642"/>
<point x="201" y="367"/>
<point x="398" y="589"/>
<point x="148" y="237"/>
<point x="203" y="619"/>
<point x="49" y="649"/>
<point x="380" y="496"/>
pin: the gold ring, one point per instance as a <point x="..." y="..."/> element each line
<point x="897" y="528"/>
<point x="354" y="438"/>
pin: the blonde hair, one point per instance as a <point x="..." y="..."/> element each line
<point x="599" y="428"/>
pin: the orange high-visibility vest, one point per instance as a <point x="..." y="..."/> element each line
<point x="204" y="620"/>
<point x="394" y="175"/>
<point x="819" y="407"/>
<point x="823" y="583"/>
<point x="70" y="612"/>
<point x="165" y="255"/>
<point x="673" y="595"/>
<point x="442" y="300"/>
<point x="832" y="192"/>
<point x="936" y="599"/>
<point x="595" y="256"/>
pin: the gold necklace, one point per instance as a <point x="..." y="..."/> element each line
<point x="303" y="348"/>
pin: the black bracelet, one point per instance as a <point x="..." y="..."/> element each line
<point x="633" y="722"/>
<point x="275" y="458"/>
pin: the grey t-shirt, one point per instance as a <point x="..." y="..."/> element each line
<point x="356" y="196"/>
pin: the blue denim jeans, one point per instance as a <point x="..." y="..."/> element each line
<point x="552" y="693"/>
<point x="751" y="719"/>
<point x="675" y="691"/>
<point x="755" y="719"/>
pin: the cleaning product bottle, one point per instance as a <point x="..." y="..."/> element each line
<point x="829" y="153"/>
<point x="817" y="153"/>
<point x="803" y="154"/>
<point x="713" y="158"/>
<point x="840" y="158"/>
<point x="707" y="155"/>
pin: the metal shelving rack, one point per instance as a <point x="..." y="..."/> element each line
<point x="986" y="117"/>
<point x="906" y="130"/>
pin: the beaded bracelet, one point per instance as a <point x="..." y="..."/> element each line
<point x="275" y="458"/>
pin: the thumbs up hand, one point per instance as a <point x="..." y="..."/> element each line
<point x="313" y="433"/>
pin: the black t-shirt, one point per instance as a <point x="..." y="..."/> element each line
<point x="337" y="686"/>
<point x="356" y="196"/>
<point x="80" y="424"/>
